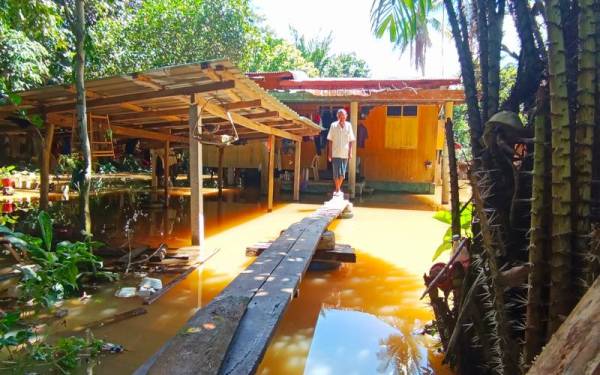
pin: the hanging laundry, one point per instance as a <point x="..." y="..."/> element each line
<point x="361" y="135"/>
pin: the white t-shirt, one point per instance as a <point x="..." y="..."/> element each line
<point x="340" y="138"/>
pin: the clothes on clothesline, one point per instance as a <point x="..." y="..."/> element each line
<point x="361" y="135"/>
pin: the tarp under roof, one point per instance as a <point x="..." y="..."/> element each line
<point x="158" y="100"/>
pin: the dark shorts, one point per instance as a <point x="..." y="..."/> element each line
<point x="339" y="166"/>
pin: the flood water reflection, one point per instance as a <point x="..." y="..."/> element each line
<point x="361" y="319"/>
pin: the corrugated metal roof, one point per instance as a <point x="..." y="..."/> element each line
<point x="141" y="100"/>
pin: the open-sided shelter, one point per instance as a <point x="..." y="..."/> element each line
<point x="166" y="105"/>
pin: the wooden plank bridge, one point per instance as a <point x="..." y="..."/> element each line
<point x="231" y="334"/>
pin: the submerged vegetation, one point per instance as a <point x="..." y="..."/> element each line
<point x="50" y="272"/>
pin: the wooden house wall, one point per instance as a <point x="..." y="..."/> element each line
<point x="406" y="165"/>
<point x="378" y="162"/>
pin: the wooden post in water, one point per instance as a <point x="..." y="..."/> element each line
<point x="445" y="175"/>
<point x="45" y="165"/>
<point x="352" y="166"/>
<point x="167" y="172"/>
<point x="271" y="170"/>
<point x="196" y="204"/>
<point x="154" y="181"/>
<point x="297" y="170"/>
<point x="220" y="170"/>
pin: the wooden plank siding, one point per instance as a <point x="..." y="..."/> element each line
<point x="408" y="165"/>
<point x="384" y="164"/>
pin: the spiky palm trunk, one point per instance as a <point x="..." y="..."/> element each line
<point x="460" y="32"/>
<point x="560" y="262"/>
<point x="495" y="22"/>
<point x="584" y="138"/>
<point x="504" y="346"/>
<point x="535" y="332"/>
<point x="454" y="195"/>
<point x="84" y="189"/>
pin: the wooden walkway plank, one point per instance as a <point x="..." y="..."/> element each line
<point x="267" y="307"/>
<point x="244" y="316"/>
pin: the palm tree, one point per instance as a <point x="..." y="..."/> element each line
<point x="407" y="23"/>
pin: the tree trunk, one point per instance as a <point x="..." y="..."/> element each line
<point x="537" y="312"/>
<point x="494" y="29"/>
<point x="468" y="75"/>
<point x="454" y="198"/>
<point x="480" y="8"/>
<point x="584" y="138"/>
<point x="84" y="189"/>
<point x="560" y="261"/>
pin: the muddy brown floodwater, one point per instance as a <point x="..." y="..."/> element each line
<point x="364" y="318"/>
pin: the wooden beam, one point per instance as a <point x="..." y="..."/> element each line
<point x="242" y="104"/>
<point x="271" y="172"/>
<point x="243" y="121"/>
<point x="145" y="96"/>
<point x="45" y="165"/>
<point x="139" y="133"/>
<point x="278" y="122"/>
<point x="149" y="114"/>
<point x="262" y="115"/>
<point x="132" y="107"/>
<point x="297" y="170"/>
<point x="196" y="200"/>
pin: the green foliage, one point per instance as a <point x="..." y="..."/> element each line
<point x="407" y="23"/>
<point x="272" y="54"/>
<point x="12" y="333"/>
<point x="346" y="65"/>
<point x="68" y="163"/>
<point x="67" y="352"/>
<point x="106" y="168"/>
<point x="6" y="171"/>
<point x="466" y="217"/>
<point x="318" y="51"/>
<point x="60" y="267"/>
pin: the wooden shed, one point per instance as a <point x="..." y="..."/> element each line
<point x="165" y="106"/>
<point x="400" y="123"/>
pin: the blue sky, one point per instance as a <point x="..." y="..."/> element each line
<point x="350" y="23"/>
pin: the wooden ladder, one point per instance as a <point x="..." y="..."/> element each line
<point x="100" y="134"/>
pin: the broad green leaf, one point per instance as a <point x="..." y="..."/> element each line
<point x="443" y="216"/>
<point x="46" y="229"/>
<point x="445" y="246"/>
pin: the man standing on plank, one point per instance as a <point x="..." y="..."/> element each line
<point x="340" y="140"/>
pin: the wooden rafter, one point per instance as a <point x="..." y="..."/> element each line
<point x="243" y="121"/>
<point x="144" y="96"/>
<point x="242" y="105"/>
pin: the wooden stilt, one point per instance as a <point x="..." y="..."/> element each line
<point x="45" y="166"/>
<point x="297" y="170"/>
<point x="220" y="171"/>
<point x="167" y="171"/>
<point x="271" y="170"/>
<point x="197" y="210"/>
<point x="352" y="162"/>
<point x="154" y="181"/>
<point x="445" y="175"/>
